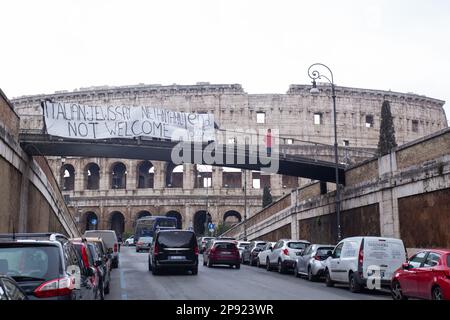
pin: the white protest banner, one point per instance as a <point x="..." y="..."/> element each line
<point x="72" y="120"/>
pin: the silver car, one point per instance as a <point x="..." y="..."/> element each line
<point x="311" y="262"/>
<point x="241" y="247"/>
<point x="284" y="254"/>
<point x="144" y="243"/>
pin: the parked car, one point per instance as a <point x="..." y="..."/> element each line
<point x="202" y="242"/>
<point x="110" y="239"/>
<point x="84" y="250"/>
<point x="250" y="254"/>
<point x="284" y="254"/>
<point x="105" y="259"/>
<point x="241" y="245"/>
<point x="129" y="241"/>
<point x="143" y="243"/>
<point x="46" y="266"/>
<point x="173" y="249"/>
<point x="355" y="259"/>
<point x="222" y="252"/>
<point x="311" y="262"/>
<point x="426" y="276"/>
<point x="9" y="289"/>
<point x="262" y="255"/>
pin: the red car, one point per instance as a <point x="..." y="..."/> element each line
<point x="426" y="276"/>
<point x="222" y="252"/>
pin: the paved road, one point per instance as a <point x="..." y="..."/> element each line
<point x="132" y="280"/>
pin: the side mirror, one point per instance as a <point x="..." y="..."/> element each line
<point x="329" y="253"/>
<point x="90" y="272"/>
<point x="406" y="266"/>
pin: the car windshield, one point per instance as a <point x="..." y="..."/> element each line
<point x="243" y="245"/>
<point x="22" y="262"/>
<point x="176" y="239"/>
<point x="260" y="245"/>
<point x="297" y="245"/>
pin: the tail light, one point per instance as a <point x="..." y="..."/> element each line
<point x="361" y="257"/>
<point x="55" y="288"/>
<point x="156" y="249"/>
<point x="84" y="256"/>
<point x="196" y="250"/>
<point x="317" y="257"/>
<point x="213" y="250"/>
<point x="140" y="243"/>
<point x="115" y="247"/>
<point x="286" y="252"/>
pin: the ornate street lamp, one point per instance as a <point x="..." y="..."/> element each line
<point x="314" y="74"/>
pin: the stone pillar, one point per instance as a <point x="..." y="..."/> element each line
<point x="188" y="176"/>
<point x="79" y="176"/>
<point x="24" y="186"/>
<point x="388" y="203"/>
<point x="294" y="221"/>
<point x="217" y="178"/>
<point x="188" y="220"/>
<point x="160" y="175"/>
<point x="131" y="174"/>
<point x="104" y="175"/>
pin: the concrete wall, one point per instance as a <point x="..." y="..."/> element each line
<point x="30" y="200"/>
<point x="401" y="196"/>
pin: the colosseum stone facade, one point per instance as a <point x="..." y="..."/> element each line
<point x="114" y="192"/>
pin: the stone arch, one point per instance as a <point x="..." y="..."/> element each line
<point x="67" y="177"/>
<point x="117" y="222"/>
<point x="92" y="176"/>
<point x="141" y="214"/>
<point x="232" y="217"/>
<point x="174" y="175"/>
<point x="203" y="176"/>
<point x="177" y="215"/>
<point x="200" y="220"/>
<point x="231" y="178"/>
<point x="118" y="175"/>
<point x="90" y="221"/>
<point x="145" y="175"/>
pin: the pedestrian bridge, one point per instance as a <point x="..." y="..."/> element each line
<point x="224" y="155"/>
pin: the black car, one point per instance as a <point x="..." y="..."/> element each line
<point x="9" y="289"/>
<point x="173" y="249"/>
<point x="250" y="253"/>
<point x="45" y="266"/>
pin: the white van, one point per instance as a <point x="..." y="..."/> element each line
<point x="364" y="262"/>
<point x="110" y="239"/>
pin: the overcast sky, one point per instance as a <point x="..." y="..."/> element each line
<point x="263" y="45"/>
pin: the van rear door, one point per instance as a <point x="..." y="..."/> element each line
<point x="384" y="254"/>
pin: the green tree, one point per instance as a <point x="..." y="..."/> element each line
<point x="221" y="228"/>
<point x="267" y="197"/>
<point x="386" y="140"/>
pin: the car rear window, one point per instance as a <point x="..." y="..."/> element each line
<point x="20" y="262"/>
<point x="297" y="245"/>
<point x="109" y="238"/>
<point x="176" y="239"/>
<point x="227" y="246"/>
<point x="322" y="252"/>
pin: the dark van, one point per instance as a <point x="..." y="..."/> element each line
<point x="173" y="249"/>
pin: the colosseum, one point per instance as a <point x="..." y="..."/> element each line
<point x="113" y="193"/>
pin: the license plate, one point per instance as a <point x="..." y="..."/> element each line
<point x="177" y="257"/>
<point x="226" y="252"/>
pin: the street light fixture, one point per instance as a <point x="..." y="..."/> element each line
<point x="314" y="75"/>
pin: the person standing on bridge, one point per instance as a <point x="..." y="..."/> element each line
<point x="268" y="142"/>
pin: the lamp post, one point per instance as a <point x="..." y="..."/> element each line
<point x="245" y="205"/>
<point x="199" y="176"/>
<point x="314" y="74"/>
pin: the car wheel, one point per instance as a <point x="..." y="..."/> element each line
<point x="268" y="268"/>
<point x="155" y="271"/>
<point x="149" y="266"/>
<point x="353" y="284"/>
<point x="238" y="266"/>
<point x="296" y="274"/>
<point x="328" y="281"/>
<point x="396" y="291"/>
<point x="107" y="288"/>
<point x="436" y="294"/>
<point x="194" y="271"/>
<point x="252" y="261"/>
<point x="280" y="267"/>
<point x="311" y="277"/>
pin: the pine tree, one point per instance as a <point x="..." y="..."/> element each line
<point x="267" y="197"/>
<point x="386" y="141"/>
